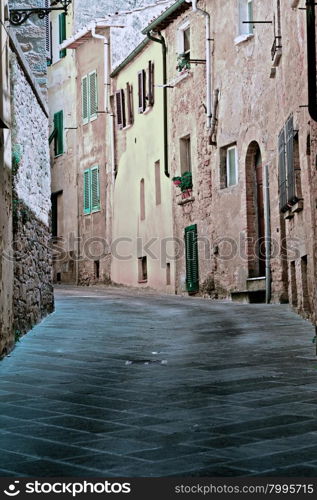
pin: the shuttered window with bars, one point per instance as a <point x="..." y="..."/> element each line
<point x="120" y="105"/>
<point x="146" y="88"/>
<point x="62" y="32"/>
<point x="289" y="184"/>
<point x="91" y="195"/>
<point x="191" y="255"/>
<point x="124" y="107"/>
<point x="151" y="84"/>
<point x="89" y="97"/>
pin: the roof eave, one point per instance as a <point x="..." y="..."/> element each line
<point x="167" y="17"/>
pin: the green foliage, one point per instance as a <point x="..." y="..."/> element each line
<point x="183" y="62"/>
<point x="185" y="181"/>
<point x="17" y="335"/>
<point x="16" y="159"/>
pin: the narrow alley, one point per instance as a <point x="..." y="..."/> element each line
<point x="129" y="383"/>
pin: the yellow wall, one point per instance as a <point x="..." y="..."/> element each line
<point x="138" y="148"/>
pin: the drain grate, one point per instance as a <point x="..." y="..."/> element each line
<point x="146" y="362"/>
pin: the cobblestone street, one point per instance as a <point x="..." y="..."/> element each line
<point x="118" y="383"/>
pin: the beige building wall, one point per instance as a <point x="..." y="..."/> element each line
<point x="142" y="229"/>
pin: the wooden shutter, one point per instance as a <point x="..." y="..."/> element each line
<point x="95" y="189"/>
<point x="84" y="98"/>
<point x="151" y="84"/>
<point x="129" y="94"/>
<point x="93" y="95"/>
<point x="141" y="90"/>
<point x="87" y="199"/>
<point x="282" y="171"/>
<point x="48" y="33"/>
<point x="59" y="134"/>
<point x="191" y="252"/>
<point x="289" y="135"/>
<point x="119" y="109"/>
<point x="62" y="32"/>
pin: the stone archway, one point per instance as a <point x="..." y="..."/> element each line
<point x="255" y="211"/>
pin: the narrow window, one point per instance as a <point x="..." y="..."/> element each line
<point x="191" y="255"/>
<point x="48" y="35"/>
<point x="58" y="133"/>
<point x="87" y="198"/>
<point x="168" y="273"/>
<point x="84" y="99"/>
<point x="142" y="200"/>
<point x="232" y="166"/>
<point x="282" y="171"/>
<point x="185" y="154"/>
<point x="62" y="32"/>
<point x="54" y="215"/>
<point x="186" y="41"/>
<point x="151" y="84"/>
<point x="95" y="189"/>
<point x="120" y="104"/>
<point x="158" y="194"/>
<point x="142" y="91"/>
<point x="129" y="93"/>
<point x="93" y="95"/>
<point x="245" y="17"/>
<point x="142" y="262"/>
<point x="97" y="269"/>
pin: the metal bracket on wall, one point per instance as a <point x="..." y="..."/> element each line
<point x="20" y="16"/>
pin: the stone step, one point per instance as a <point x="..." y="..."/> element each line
<point x="249" y="296"/>
<point x="256" y="284"/>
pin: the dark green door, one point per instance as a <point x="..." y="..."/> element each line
<point x="191" y="249"/>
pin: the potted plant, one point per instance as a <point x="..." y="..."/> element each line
<point x="185" y="184"/>
<point x="183" y="62"/>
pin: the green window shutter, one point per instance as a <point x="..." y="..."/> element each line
<point x="191" y="252"/>
<point x="95" y="189"/>
<point x="62" y="32"/>
<point x="87" y="198"/>
<point x="59" y="135"/>
<point x="93" y="95"/>
<point x="84" y="99"/>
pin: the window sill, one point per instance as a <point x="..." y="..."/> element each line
<point x="188" y="198"/>
<point x="127" y="127"/>
<point x="294" y="4"/>
<point x="142" y="281"/>
<point x="147" y="110"/>
<point x="243" y="38"/>
<point x="277" y="58"/>
<point x="298" y="207"/>
<point x="182" y="76"/>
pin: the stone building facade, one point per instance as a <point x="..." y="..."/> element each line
<point x="26" y="282"/>
<point x="249" y="222"/>
<point x="6" y="260"/>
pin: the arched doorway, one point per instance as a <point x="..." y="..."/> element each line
<point x="255" y="211"/>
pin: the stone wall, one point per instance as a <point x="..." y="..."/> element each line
<point x="33" y="291"/>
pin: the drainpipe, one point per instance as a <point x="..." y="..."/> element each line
<point x="161" y="40"/>
<point x="208" y="60"/>
<point x="311" y="58"/>
<point x="267" y="235"/>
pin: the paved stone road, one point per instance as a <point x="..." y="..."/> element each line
<point x="120" y="384"/>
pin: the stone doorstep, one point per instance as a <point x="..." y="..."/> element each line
<point x="249" y="296"/>
<point x="256" y="284"/>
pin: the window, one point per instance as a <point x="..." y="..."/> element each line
<point x="276" y="50"/>
<point x="89" y="97"/>
<point x="56" y="200"/>
<point x="232" y="166"/>
<point x="288" y="166"/>
<point x="245" y="17"/>
<point x="91" y="190"/>
<point x="97" y="269"/>
<point x="62" y="32"/>
<point x="228" y="166"/>
<point x="124" y="106"/>
<point x="142" y="262"/>
<point x="58" y="134"/>
<point x="184" y="39"/>
<point x="142" y="91"/>
<point x="185" y="154"/>
<point x="146" y="88"/>
<point x="191" y="255"/>
<point x="168" y="273"/>
<point x="142" y="200"/>
<point x="158" y="194"/>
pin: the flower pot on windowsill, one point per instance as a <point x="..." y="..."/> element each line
<point x="187" y="193"/>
